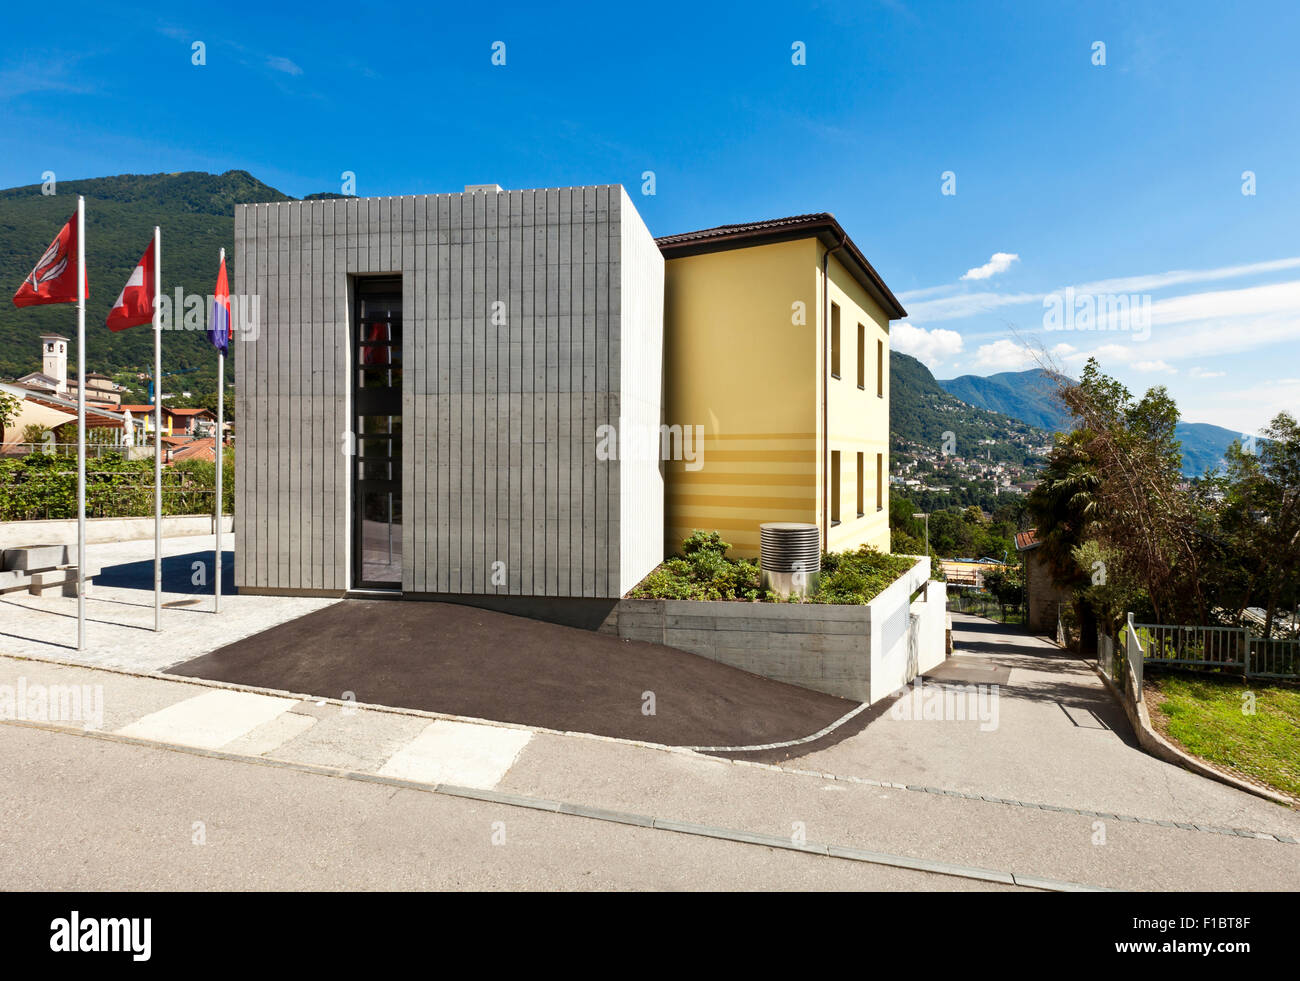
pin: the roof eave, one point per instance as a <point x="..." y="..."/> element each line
<point x="826" y="229"/>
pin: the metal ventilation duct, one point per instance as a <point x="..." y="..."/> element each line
<point x="790" y="559"/>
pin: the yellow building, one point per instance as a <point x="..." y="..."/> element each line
<point x="776" y="352"/>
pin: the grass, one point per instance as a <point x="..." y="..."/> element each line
<point x="704" y="572"/>
<point x="1204" y="714"/>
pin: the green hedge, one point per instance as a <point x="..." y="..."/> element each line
<point x="38" y="486"/>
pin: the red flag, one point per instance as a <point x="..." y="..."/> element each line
<point x="54" y="280"/>
<point x="135" y="304"/>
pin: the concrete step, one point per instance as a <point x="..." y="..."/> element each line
<point x="35" y="558"/>
<point x="17" y="579"/>
<point x="62" y="582"/>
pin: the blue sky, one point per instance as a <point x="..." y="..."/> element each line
<point x="1119" y="180"/>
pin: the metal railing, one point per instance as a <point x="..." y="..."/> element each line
<point x="1232" y="649"/>
<point x="1273" y="657"/>
<point x="964" y="599"/>
<point x="1193" y="645"/>
<point x="1134" y="652"/>
<point x="93" y="450"/>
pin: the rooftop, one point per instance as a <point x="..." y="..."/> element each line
<point x="822" y="225"/>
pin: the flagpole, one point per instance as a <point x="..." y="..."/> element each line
<point x="157" y="428"/>
<point x="221" y="404"/>
<point x="81" y="422"/>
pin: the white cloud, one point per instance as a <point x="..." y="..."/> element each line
<point x="930" y="347"/>
<point x="968" y="305"/>
<point x="999" y="262"/>
<point x="1004" y="355"/>
<point x="1199" y="372"/>
<point x="1247" y="410"/>
<point x="908" y="295"/>
<point x="1177" y="277"/>
<point x="1157" y="365"/>
<point x="283" y="65"/>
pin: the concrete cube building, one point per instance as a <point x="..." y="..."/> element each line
<point x="426" y="388"/>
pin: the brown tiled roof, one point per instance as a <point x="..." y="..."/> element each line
<point x="822" y="225"/>
<point x="196" y="449"/>
<point x="1027" y="539"/>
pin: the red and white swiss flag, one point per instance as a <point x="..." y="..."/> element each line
<point x="135" y="304"/>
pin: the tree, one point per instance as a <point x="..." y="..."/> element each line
<point x="9" y="408"/>
<point x="1131" y="463"/>
<point x="1257" y="519"/>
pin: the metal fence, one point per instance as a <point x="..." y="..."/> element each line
<point x="1232" y="649"/>
<point x="93" y="450"/>
<point x="964" y="599"/>
<point x="1216" y="647"/>
<point x="1273" y="657"/>
<point x="1134" y="652"/>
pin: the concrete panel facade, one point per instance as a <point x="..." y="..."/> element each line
<point x="530" y="320"/>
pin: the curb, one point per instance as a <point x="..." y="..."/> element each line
<point x="1156" y="745"/>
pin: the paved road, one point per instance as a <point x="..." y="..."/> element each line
<point x="87" y="814"/>
<point x="1060" y="739"/>
<point x="73" y="795"/>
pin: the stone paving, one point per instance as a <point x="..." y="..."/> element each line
<point x="120" y="610"/>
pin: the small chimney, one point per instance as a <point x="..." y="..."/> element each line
<point x="482" y="188"/>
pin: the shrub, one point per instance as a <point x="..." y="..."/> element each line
<point x="858" y="576"/>
<point x="704" y="572"/>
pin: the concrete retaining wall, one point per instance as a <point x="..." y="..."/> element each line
<point x="14" y="534"/>
<point x="858" y="652"/>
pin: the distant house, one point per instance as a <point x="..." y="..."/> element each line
<point x="184" y="423"/>
<point x="50" y="411"/>
<point x="1044" y="596"/>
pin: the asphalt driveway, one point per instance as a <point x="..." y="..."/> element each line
<point x="461" y="660"/>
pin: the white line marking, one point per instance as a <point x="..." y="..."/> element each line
<point x="790" y="742"/>
<point x="459" y="753"/>
<point x="209" y="720"/>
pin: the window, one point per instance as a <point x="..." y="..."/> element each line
<point x="862" y="356"/>
<point x="835" y="340"/>
<point x="880" y="481"/>
<point x="861" y="498"/>
<point x="835" y="487"/>
<point x="880" y="369"/>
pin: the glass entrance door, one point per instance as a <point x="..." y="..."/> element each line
<point x="377" y="449"/>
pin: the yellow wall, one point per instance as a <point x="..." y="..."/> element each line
<point x="736" y="363"/>
<point x="859" y="418"/>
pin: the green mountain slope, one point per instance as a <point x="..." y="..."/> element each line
<point x="921" y="411"/>
<point x="1025" y="395"/>
<point x="1029" y="397"/>
<point x="196" y="213"/>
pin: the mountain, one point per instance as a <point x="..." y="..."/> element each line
<point x="196" y="212"/>
<point x="1203" y="446"/>
<point x="1030" y="397"/>
<point x="921" y="412"/>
